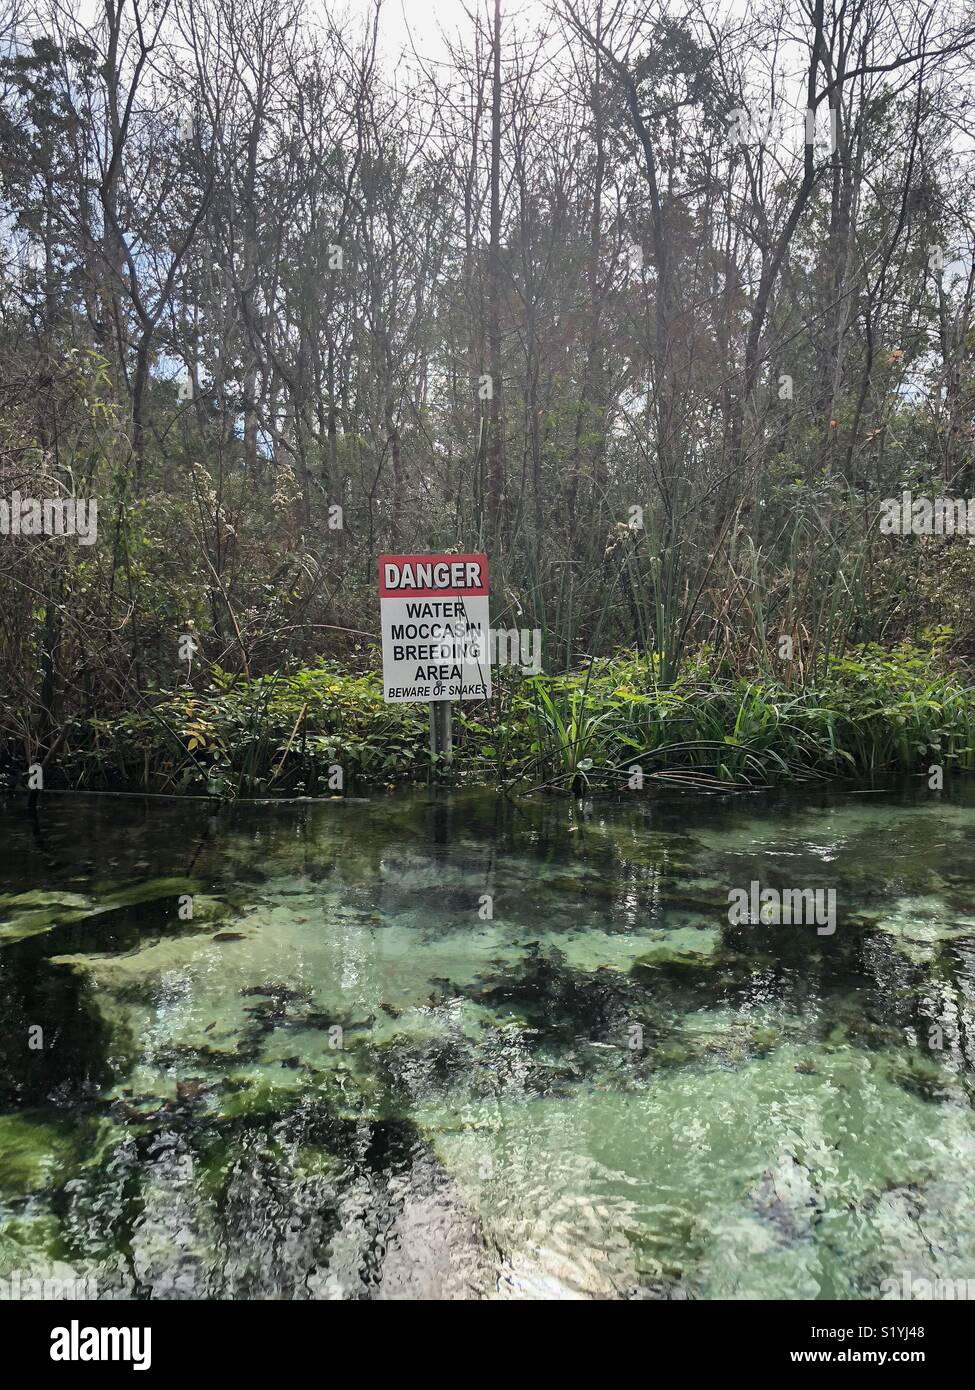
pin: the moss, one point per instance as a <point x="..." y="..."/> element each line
<point x="919" y="1073"/>
<point x="67" y="909"/>
<point x="29" y="1238"/>
<point x="33" y="1155"/>
<point x="38" y="1154"/>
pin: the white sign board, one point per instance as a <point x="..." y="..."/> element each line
<point x="436" y="628"/>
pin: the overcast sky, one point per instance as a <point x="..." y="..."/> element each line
<point x="420" y="21"/>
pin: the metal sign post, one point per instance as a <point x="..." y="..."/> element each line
<point x="441" y="733"/>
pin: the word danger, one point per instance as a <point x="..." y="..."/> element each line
<point x="435" y="627"/>
<point x="422" y="575"/>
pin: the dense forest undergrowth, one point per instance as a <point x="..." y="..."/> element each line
<point x="613" y="728"/>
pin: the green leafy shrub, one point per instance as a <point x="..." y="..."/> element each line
<point x="873" y="710"/>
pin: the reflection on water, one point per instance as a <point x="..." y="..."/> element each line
<point x="437" y="1046"/>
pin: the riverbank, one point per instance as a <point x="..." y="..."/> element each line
<point x="322" y="731"/>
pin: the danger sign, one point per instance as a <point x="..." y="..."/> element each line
<point x="436" y="627"/>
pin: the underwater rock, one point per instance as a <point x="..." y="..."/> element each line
<point x="920" y="925"/>
<point x="207" y="908"/>
<point x="562" y="1003"/>
<point x="682" y="946"/>
<point x="191" y="1089"/>
<point x="787" y="1198"/>
<point x="280" y="993"/>
<point x="415" y="1068"/>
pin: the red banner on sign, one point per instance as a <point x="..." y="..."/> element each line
<point x="433" y="576"/>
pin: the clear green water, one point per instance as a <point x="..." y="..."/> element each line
<point x="605" y="1091"/>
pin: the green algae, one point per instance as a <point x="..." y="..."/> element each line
<point x="39" y="897"/>
<point x="680" y="945"/>
<point x="33" y="1155"/>
<point x="39" y="1154"/>
<point x="56" y="909"/>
